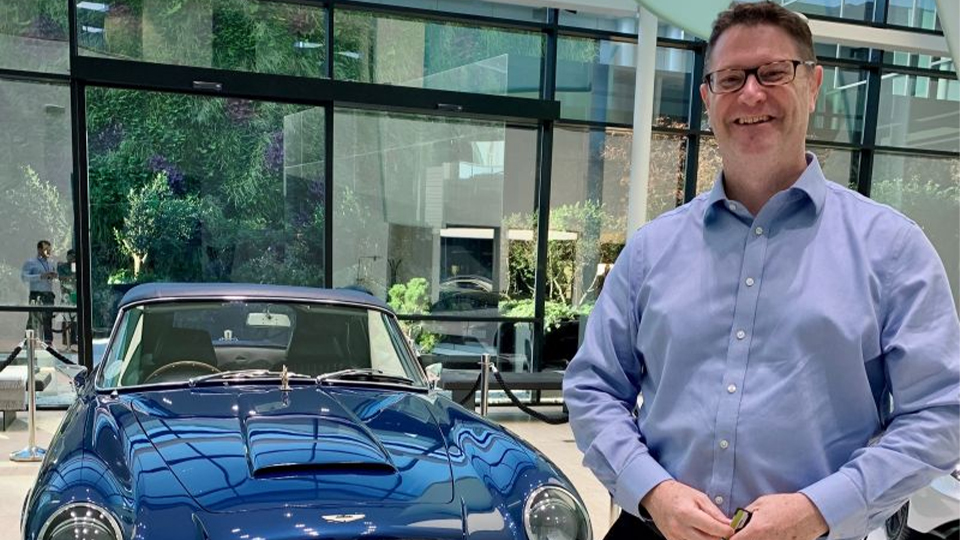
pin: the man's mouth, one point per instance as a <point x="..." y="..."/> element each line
<point x="750" y="120"/>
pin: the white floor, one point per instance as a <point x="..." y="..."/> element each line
<point x="554" y="441"/>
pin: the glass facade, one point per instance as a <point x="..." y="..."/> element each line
<point x="244" y="35"/>
<point x="432" y="206"/>
<point x="200" y="189"/>
<point x="381" y="49"/>
<point x="34" y="36"/>
<point x="927" y="190"/>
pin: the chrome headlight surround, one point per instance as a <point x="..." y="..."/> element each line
<point x="81" y="521"/>
<point x="553" y="508"/>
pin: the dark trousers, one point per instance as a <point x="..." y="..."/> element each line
<point x="41" y="322"/>
<point x="630" y="527"/>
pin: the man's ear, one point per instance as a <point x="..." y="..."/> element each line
<point x="704" y="93"/>
<point x="815" y="82"/>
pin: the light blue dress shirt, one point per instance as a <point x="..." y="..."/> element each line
<point x="32" y="271"/>
<point x="767" y="350"/>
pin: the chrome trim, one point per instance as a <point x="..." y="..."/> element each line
<point x="111" y="520"/>
<point x="576" y="500"/>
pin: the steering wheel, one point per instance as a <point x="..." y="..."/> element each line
<point x="178" y="370"/>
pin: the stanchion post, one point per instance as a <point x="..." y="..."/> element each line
<point x="484" y="384"/>
<point x="32" y="452"/>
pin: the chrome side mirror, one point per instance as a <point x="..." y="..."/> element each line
<point x="80" y="380"/>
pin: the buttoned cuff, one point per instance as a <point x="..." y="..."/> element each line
<point x="640" y="475"/>
<point x="840" y="503"/>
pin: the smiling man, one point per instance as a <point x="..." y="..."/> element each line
<point x="796" y="344"/>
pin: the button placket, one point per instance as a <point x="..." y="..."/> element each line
<point x="738" y="352"/>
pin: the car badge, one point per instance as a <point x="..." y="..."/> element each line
<point x="284" y="379"/>
<point x="343" y="518"/>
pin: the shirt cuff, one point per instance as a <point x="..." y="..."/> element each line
<point x="641" y="475"/>
<point x="840" y="503"/>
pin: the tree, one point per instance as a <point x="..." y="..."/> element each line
<point x="156" y="220"/>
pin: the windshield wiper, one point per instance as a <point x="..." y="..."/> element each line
<point x="364" y="374"/>
<point x="246" y="374"/>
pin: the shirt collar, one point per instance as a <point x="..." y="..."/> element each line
<point x="811" y="183"/>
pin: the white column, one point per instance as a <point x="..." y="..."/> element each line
<point x="949" y="13"/>
<point x="642" y="121"/>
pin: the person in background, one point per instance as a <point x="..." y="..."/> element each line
<point x="795" y="344"/>
<point x="40" y="273"/>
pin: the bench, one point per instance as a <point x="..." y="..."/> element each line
<point x="13" y="391"/>
<point x="461" y="382"/>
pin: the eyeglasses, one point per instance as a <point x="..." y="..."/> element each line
<point x="776" y="73"/>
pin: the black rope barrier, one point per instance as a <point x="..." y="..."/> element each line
<point x="56" y="354"/>
<point x="471" y="394"/>
<point x="13" y="355"/>
<point x="552" y="420"/>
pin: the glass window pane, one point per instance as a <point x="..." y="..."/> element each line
<point x="588" y="208"/>
<point x="913" y="13"/>
<point x="709" y="164"/>
<point x="56" y="376"/>
<point x="36" y="194"/>
<point x="201" y="189"/>
<point x="928" y="191"/>
<point x="595" y="79"/>
<point x="668" y="158"/>
<point x="401" y="51"/>
<point x="666" y="30"/>
<point x="838" y="116"/>
<point x="828" y="49"/>
<point x="919" y="112"/>
<point x="594" y="21"/>
<point x="33" y="35"/>
<point x="435" y="215"/>
<point x="460" y="344"/>
<point x="836" y="163"/>
<point x="672" y="86"/>
<point x="242" y="35"/>
<point x="858" y="10"/>
<point x="473" y="7"/>
<point x="925" y="61"/>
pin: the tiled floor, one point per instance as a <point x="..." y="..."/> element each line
<point x="554" y="441"/>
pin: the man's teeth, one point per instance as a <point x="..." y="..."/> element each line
<point x="752" y="119"/>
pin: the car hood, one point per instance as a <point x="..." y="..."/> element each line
<point x="243" y="448"/>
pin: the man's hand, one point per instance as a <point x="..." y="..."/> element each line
<point x="683" y="513"/>
<point x="786" y="516"/>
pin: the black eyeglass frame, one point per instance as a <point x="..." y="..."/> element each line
<point x="755" y="71"/>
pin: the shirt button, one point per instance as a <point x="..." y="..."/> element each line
<point x="731" y="389"/>
<point x="724" y="444"/>
<point x="758" y="231"/>
<point x="750" y="282"/>
<point x="733" y="207"/>
<point x="718" y="499"/>
<point x="741" y="334"/>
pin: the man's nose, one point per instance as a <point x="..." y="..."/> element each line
<point x="752" y="92"/>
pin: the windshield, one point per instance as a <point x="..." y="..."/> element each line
<point x="171" y="342"/>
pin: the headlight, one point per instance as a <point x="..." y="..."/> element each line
<point x="553" y="513"/>
<point x="81" y="521"/>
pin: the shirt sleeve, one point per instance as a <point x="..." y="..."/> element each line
<point x="30" y="272"/>
<point x="920" y="343"/>
<point x="600" y="389"/>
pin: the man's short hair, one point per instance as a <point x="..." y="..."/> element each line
<point x="42" y="243"/>
<point x="764" y="13"/>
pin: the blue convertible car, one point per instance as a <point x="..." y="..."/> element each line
<point x="249" y="412"/>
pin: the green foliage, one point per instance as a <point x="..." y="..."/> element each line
<point x="156" y="221"/>
<point x="34" y="210"/>
<point x="413" y="298"/>
<point x="568" y="261"/>
<point x="554" y="312"/>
